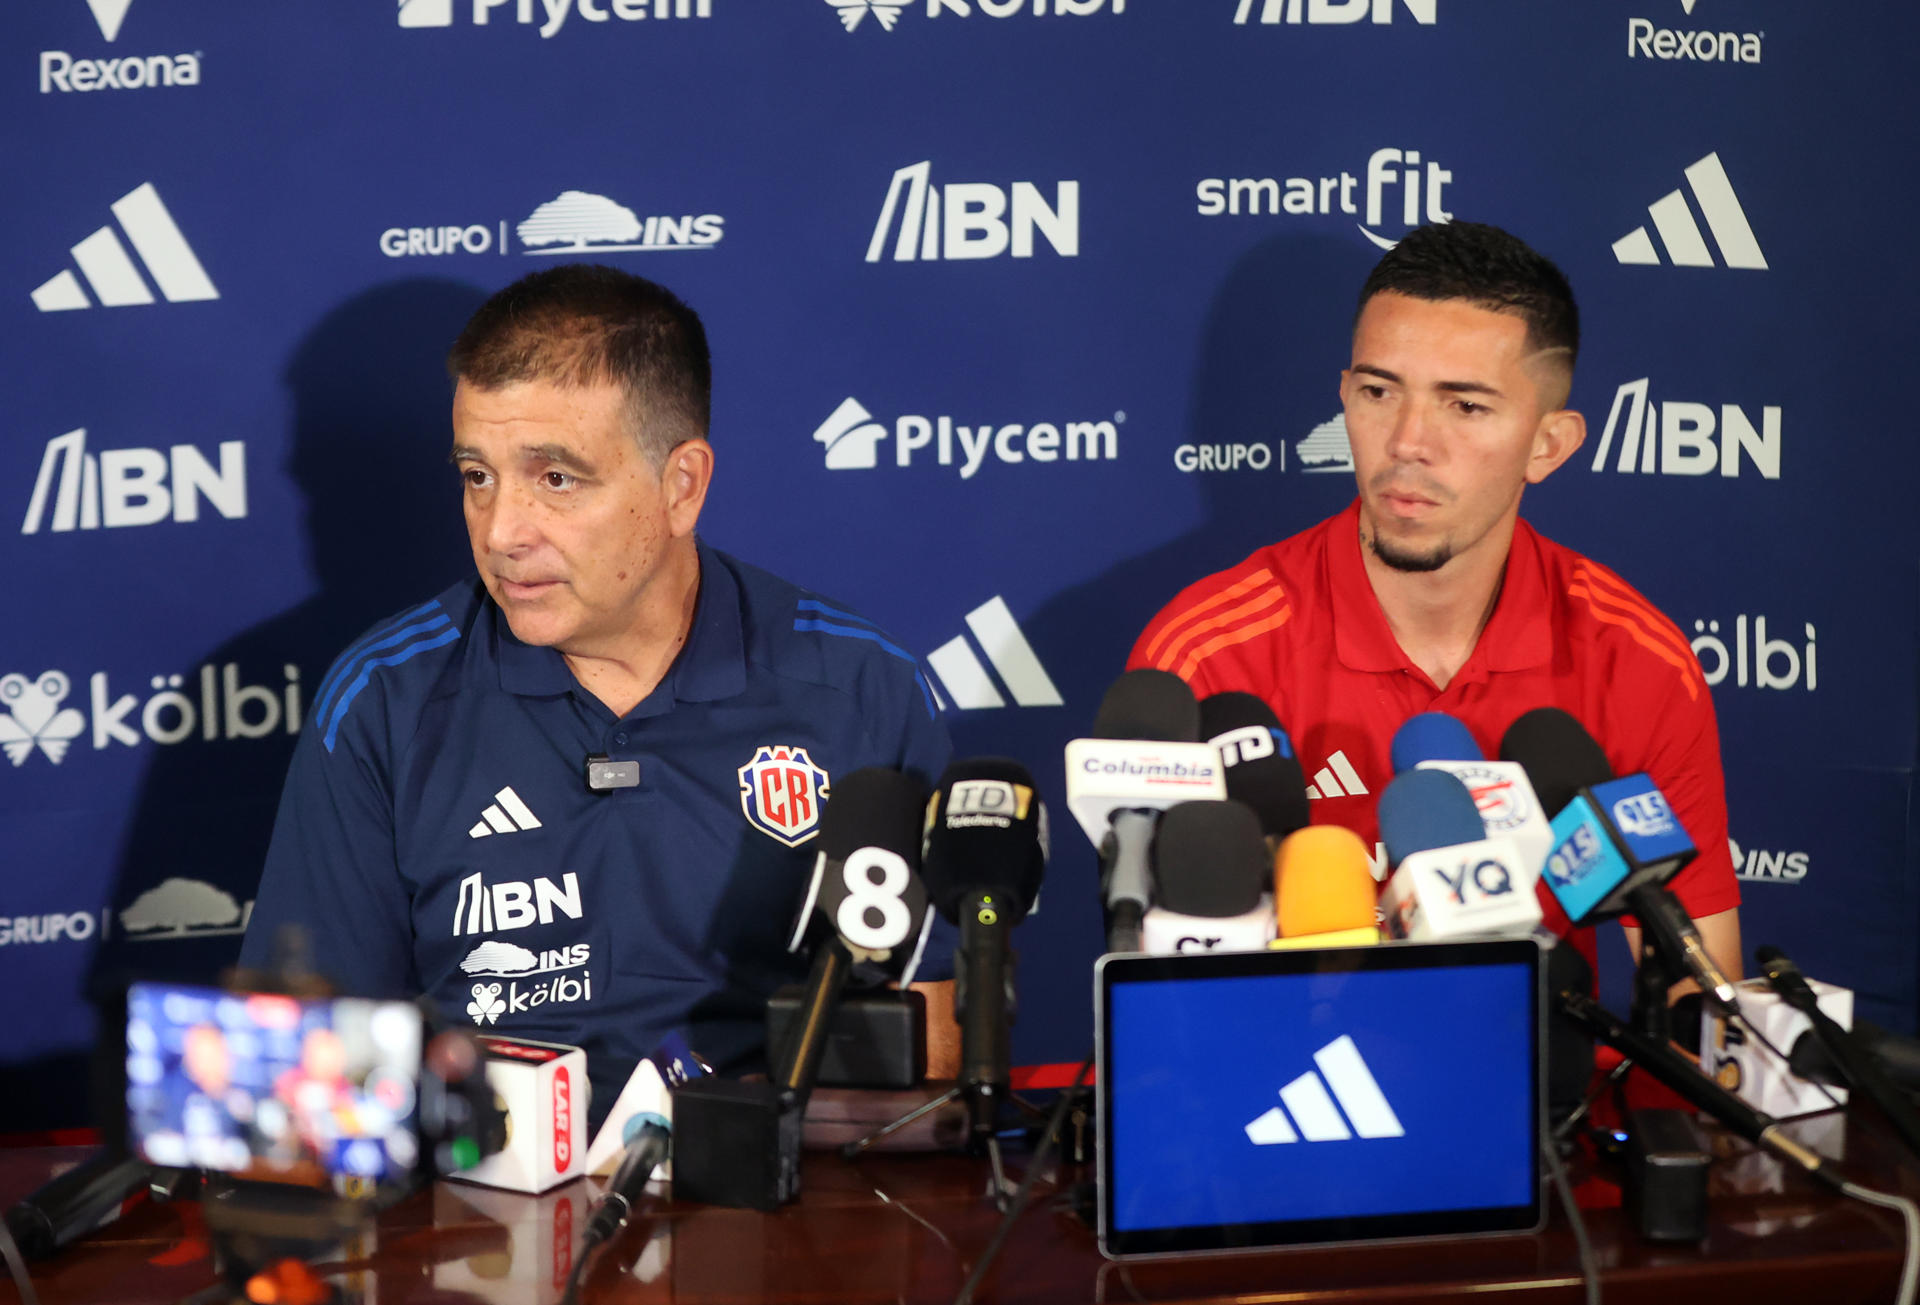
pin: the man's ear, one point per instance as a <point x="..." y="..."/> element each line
<point x="1559" y="434"/>
<point x="684" y="478"/>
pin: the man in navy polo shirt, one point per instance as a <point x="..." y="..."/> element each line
<point x="437" y="833"/>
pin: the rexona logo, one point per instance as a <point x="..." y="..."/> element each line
<point x="1326" y="447"/>
<point x="964" y="677"/>
<point x="1680" y="234"/>
<point x="61" y="71"/>
<point x="78" y="490"/>
<point x="972" y="219"/>
<point x="575" y="222"/>
<point x="1318" y="12"/>
<point x="1646" y="39"/>
<point x="110" y="272"/>
<point x="1388" y="171"/>
<point x="886" y="13"/>
<point x="552" y="15"/>
<point x="34" y="717"/>
<point x="1677" y="438"/>
<point x="1310" y="1112"/>
<point x="1753" y="657"/>
<point x="853" y="438"/>
<point x="1764" y="867"/>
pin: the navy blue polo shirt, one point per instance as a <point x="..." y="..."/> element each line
<point x="436" y="833"/>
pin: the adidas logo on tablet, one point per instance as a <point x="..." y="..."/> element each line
<point x="1310" y="1112"/>
<point x="1337" y="778"/>
<point x="506" y="815"/>
<point x="1685" y="245"/>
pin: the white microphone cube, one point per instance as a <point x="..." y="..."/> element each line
<point x="1743" y="1066"/>
<point x="1168" y="933"/>
<point x="1467" y="890"/>
<point x="543" y="1086"/>
<point x="1105" y="775"/>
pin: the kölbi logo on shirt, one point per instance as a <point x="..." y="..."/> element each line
<point x="853" y="438"/>
<point x="547" y="976"/>
<point x="34" y="715"/>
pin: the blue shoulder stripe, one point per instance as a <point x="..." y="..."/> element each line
<point x="347" y="667"/>
<point x="345" y="660"/>
<point x="872" y="636"/>
<point x="367" y="668"/>
<point x="815" y="605"/>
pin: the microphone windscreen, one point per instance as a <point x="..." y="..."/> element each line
<point x="1261" y="769"/>
<point x="1432" y="736"/>
<point x="1323" y="882"/>
<point x="1209" y="859"/>
<point x="873" y="807"/>
<point x="985" y="832"/>
<point x="1424" y="809"/>
<point x="1149" y="704"/>
<point x="1557" y="753"/>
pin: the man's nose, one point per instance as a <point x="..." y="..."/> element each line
<point x="1413" y="436"/>
<point x="509" y="522"/>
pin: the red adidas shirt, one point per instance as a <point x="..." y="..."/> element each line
<point x="1298" y="625"/>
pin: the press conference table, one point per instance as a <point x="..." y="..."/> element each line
<point x="906" y="1228"/>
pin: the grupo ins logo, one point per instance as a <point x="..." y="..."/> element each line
<point x="1420" y="187"/>
<point x="853" y="439"/>
<point x="35" y="717"/>
<point x="972" y="219"/>
<point x="574" y="223"/>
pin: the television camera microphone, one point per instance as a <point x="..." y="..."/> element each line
<point x="1211" y="869"/>
<point x="1450" y="880"/>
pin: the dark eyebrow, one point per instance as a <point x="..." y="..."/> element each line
<point x="557" y="454"/>
<point x="1450" y="387"/>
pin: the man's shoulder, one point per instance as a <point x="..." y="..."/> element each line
<point x="1595" y="609"/>
<point x="1262" y="598"/>
<point x="400" y="661"/>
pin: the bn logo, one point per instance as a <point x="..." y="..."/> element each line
<point x="781" y="791"/>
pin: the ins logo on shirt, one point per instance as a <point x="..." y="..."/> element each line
<point x="781" y="791"/>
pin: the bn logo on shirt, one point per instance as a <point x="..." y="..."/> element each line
<point x="781" y="791"/>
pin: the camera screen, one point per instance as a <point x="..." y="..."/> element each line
<point x="262" y="1086"/>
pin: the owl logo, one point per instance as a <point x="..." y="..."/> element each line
<point x="885" y="13"/>
<point x="31" y="716"/>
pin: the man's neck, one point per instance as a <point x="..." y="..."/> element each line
<point x="1437" y="616"/>
<point x="622" y="675"/>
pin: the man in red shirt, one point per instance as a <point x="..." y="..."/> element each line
<point x="1430" y="594"/>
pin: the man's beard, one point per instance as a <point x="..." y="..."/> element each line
<point x="1400" y="559"/>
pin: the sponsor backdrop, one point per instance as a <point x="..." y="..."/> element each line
<point x="1025" y="313"/>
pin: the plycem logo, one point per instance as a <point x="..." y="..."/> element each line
<point x="964" y="677"/>
<point x="552" y="15"/>
<point x="1314" y="1116"/>
<point x="1337" y="778"/>
<point x="31" y="716"/>
<point x="60" y="71"/>
<point x="886" y="13"/>
<point x="1677" y="438"/>
<point x="1753" y="657"/>
<point x="1646" y="39"/>
<point x="110" y="272"/>
<point x="1763" y="867"/>
<point x="1327" y="447"/>
<point x="853" y="438"/>
<point x="1680" y="234"/>
<point x="1322" y="196"/>
<point x="185" y="908"/>
<point x="1424" y="12"/>
<point x="130" y="487"/>
<point x="969" y="219"/>
<point x="506" y="814"/>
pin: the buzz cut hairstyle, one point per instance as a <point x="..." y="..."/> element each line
<point x="1489" y="268"/>
<point x="581" y="324"/>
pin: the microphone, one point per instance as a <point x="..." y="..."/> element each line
<point x="1452" y="881"/>
<point x="648" y="1091"/>
<point x="1145" y="756"/>
<point x="542" y="1089"/>
<point x="1261" y="769"/>
<point x="985" y="853"/>
<point x="650" y="1139"/>
<point x="75" y="1203"/>
<point x="1434" y="740"/>
<point x="1617" y="842"/>
<point x="1211" y="869"/>
<point x="1323" y="890"/>
<point x="1432" y="736"/>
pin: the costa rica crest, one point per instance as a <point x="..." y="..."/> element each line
<point x="781" y="791"/>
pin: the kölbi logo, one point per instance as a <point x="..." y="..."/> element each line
<point x="970" y="219"/>
<point x="1387" y="169"/>
<point x="130" y="487"/>
<point x="32" y="716"/>
<point x="1754" y="658"/>
<point x="852" y="438"/>
<point x="60" y="71"/>
<point x="553" y="13"/>
<point x="1335" y="11"/>
<point x="886" y="13"/>
<point x="1677" y="439"/>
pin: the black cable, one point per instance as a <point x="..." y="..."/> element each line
<point x="571" y="1296"/>
<point x="16" y="1266"/>
<point x="1557" y="1172"/>
<point x="1025" y="1191"/>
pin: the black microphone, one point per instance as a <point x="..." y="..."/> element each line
<point x="984" y="857"/>
<point x="649" y="1148"/>
<point x="1146" y="705"/>
<point x="1262" y="770"/>
<point x="75" y="1203"/>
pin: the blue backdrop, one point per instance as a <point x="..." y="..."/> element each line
<point x="997" y="288"/>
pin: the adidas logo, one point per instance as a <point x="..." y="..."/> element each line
<point x="966" y="680"/>
<point x="1336" y="779"/>
<point x="507" y="815"/>
<point x="1680" y="234"/>
<point x="1313" y="1114"/>
<point x="110" y="272"/>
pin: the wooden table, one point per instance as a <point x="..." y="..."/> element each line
<point x="906" y="1228"/>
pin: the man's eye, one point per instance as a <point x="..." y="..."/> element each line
<point x="557" y="480"/>
<point x="474" y="478"/>
<point x="1471" y="408"/>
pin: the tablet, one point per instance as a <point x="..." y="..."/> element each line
<point x="1287" y="1098"/>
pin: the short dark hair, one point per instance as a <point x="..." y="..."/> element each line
<point x="1486" y="266"/>
<point x="581" y="324"/>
